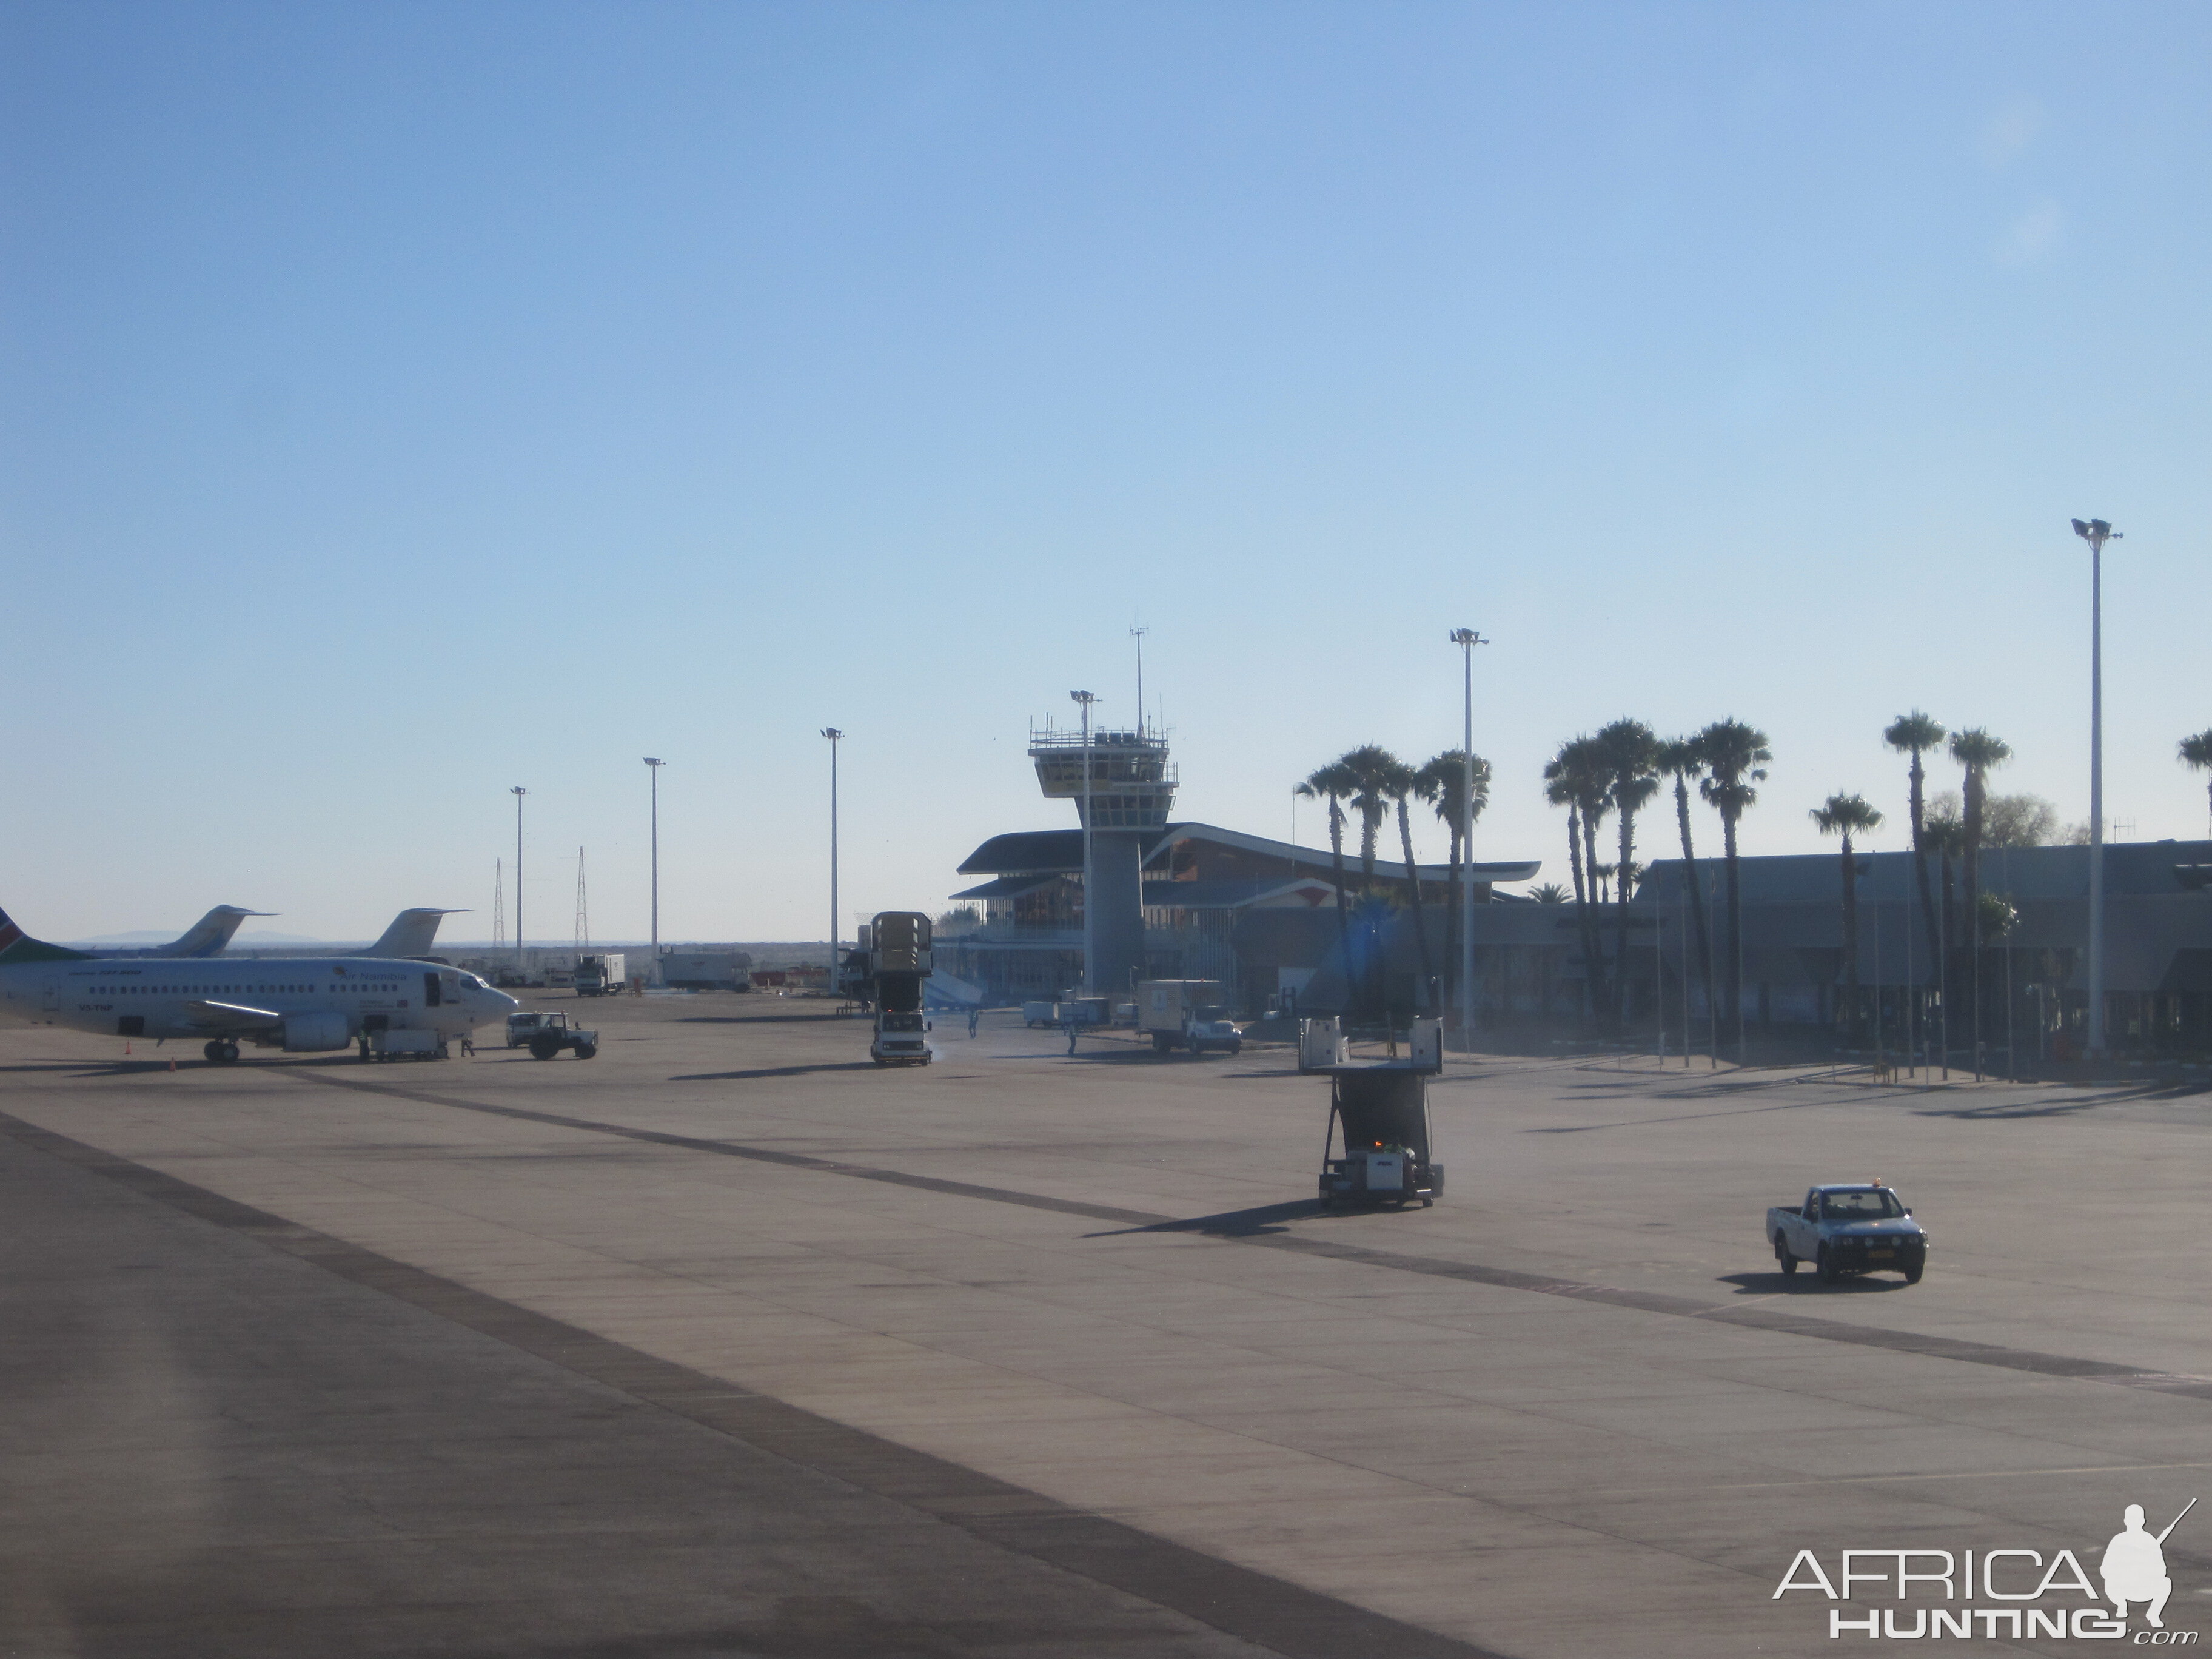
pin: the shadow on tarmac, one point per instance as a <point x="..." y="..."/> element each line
<point x="776" y="1071"/>
<point x="1805" y="1282"/>
<point x="1257" y="1221"/>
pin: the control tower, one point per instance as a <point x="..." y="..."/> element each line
<point x="1132" y="787"/>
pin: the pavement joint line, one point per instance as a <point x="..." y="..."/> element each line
<point x="1254" y="1606"/>
<point x="1962" y="1350"/>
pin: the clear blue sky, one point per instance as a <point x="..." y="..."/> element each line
<point x="404" y="401"/>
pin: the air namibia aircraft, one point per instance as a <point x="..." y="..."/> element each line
<point x="301" y="1005"/>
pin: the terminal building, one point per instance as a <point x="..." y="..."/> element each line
<point x="1173" y="900"/>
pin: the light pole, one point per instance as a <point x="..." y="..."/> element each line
<point x="1090" y="909"/>
<point x="518" y="792"/>
<point x="1467" y="638"/>
<point x="2096" y="532"/>
<point x="833" y="734"/>
<point x="655" y="764"/>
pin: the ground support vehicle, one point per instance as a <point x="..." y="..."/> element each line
<point x="1187" y="1014"/>
<point x="599" y="976"/>
<point x="1851" y="1227"/>
<point x="1383" y="1112"/>
<point x="898" y="943"/>
<point x="551" y="1034"/>
<point x="403" y="1045"/>
<point x="521" y="1027"/>
<point x="1037" y="1012"/>
<point x="902" y="1039"/>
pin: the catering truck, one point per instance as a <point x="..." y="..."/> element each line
<point x="1187" y="1014"/>
<point x="1853" y="1227"/>
<point x="898" y="943"/>
<point x="598" y="976"/>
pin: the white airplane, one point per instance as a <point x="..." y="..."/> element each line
<point x="301" y="1004"/>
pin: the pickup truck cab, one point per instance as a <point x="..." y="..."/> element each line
<point x="1850" y="1227"/>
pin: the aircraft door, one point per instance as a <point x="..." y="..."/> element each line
<point x="430" y="997"/>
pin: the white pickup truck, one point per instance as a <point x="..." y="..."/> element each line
<point x="1852" y="1227"/>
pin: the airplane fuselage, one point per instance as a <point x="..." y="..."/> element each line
<point x="296" y="1002"/>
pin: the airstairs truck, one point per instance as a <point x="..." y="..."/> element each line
<point x="898" y="964"/>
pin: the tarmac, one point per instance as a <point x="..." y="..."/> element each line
<point x="728" y="1342"/>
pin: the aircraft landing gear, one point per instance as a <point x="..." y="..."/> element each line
<point x="222" y="1051"/>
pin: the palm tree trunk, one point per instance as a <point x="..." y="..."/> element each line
<point x="1582" y="907"/>
<point x="1620" y="916"/>
<point x="1414" y="891"/>
<point x="1977" y="785"/>
<point x="1453" y="922"/>
<point x="1343" y="905"/>
<point x="1697" y="904"/>
<point x="1851" y="932"/>
<point x="1735" y="931"/>
<point x="1920" y="852"/>
<point x="1593" y="932"/>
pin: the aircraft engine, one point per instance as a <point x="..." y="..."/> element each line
<point x="304" y="1033"/>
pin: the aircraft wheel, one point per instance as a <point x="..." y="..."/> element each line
<point x="226" y="1052"/>
<point x="213" y="1051"/>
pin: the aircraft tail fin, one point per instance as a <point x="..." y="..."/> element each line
<point x="411" y="933"/>
<point x="208" y="935"/>
<point x="18" y="947"/>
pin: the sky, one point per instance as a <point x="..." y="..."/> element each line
<point x="404" y="403"/>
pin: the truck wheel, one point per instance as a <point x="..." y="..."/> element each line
<point x="1235" y="1048"/>
<point x="586" y="1050"/>
<point x="543" y="1048"/>
<point x="1830" y="1274"/>
<point x="1913" y="1273"/>
<point x="1783" y="1258"/>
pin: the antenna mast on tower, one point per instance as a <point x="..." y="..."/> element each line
<point x="583" y="912"/>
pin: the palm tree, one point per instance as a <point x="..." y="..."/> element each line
<point x="1406" y="784"/>
<point x="1630" y="752"/>
<point x="1372" y="768"/>
<point x="1848" y="816"/>
<point x="1577" y="777"/>
<point x="1550" y="893"/>
<point x="1736" y="757"/>
<point x="1445" y="784"/>
<point x="1679" y="758"/>
<point x="1915" y="734"/>
<point x="1978" y="751"/>
<point x="2197" y="752"/>
<point x="1333" y="783"/>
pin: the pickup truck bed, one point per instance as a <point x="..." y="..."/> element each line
<point x="1849" y="1228"/>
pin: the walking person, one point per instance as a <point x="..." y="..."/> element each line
<point x="974" y="1015"/>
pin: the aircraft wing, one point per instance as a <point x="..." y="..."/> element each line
<point x="230" y="1016"/>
